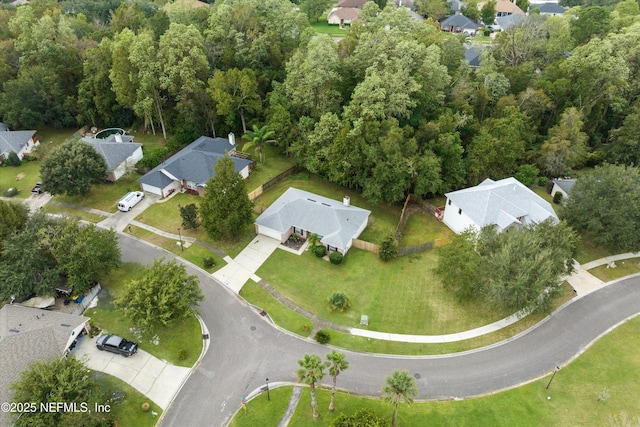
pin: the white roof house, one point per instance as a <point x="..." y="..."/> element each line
<point x="303" y="213"/>
<point x="504" y="203"/>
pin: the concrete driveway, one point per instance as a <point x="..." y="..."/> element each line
<point x="237" y="271"/>
<point x="120" y="220"/>
<point x="158" y="380"/>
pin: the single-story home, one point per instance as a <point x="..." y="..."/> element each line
<point x="20" y="142"/>
<point x="459" y="23"/>
<point x="508" y="21"/>
<point x="549" y="9"/>
<point x="563" y="186"/>
<point x="505" y="203"/>
<point x="303" y="213"/>
<point x="504" y="8"/>
<point x="190" y="168"/>
<point x="119" y="151"/>
<point x="28" y="335"/>
<point x="472" y="55"/>
<point x="342" y="16"/>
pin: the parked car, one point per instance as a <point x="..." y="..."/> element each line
<point x="129" y="200"/>
<point x="37" y="189"/>
<point x="116" y="344"/>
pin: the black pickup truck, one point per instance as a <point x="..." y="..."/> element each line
<point x="37" y="189"/>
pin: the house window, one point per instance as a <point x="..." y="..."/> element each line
<point x="299" y="231"/>
<point x="332" y="248"/>
<point x="460" y="211"/>
<point x="449" y="202"/>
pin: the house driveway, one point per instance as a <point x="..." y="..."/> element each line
<point x="158" y="380"/>
<point x="237" y="271"/>
<point x="120" y="220"/>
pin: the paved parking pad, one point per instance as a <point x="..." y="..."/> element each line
<point x="158" y="380"/>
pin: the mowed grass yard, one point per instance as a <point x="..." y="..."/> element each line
<point x="400" y="296"/>
<point x="603" y="371"/>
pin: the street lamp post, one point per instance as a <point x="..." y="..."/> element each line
<point x="180" y="235"/>
<point x="552" y="377"/>
<point x="268" y="395"/>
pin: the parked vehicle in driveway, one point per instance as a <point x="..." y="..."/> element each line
<point x="116" y="344"/>
<point x="129" y="200"/>
<point x="37" y="189"/>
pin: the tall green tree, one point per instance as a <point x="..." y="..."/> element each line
<point x="256" y="138"/>
<point x="434" y="9"/>
<point x="625" y="145"/>
<point x="163" y="293"/>
<point x="312" y="370"/>
<point x="72" y="168"/>
<point x="235" y="93"/>
<point x="14" y="217"/>
<point x="337" y="364"/>
<point x="225" y="209"/>
<point x="399" y="387"/>
<point x="593" y="21"/>
<point x="565" y="147"/>
<point x="314" y="9"/>
<point x="606" y="205"/>
<point x="488" y="12"/>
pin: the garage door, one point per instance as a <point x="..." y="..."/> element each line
<point x="151" y="189"/>
<point x="270" y="232"/>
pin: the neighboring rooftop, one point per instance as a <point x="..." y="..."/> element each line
<point x="509" y="21"/>
<point x="458" y="21"/>
<point x="565" y="184"/>
<point x="549" y="8"/>
<point x="115" y="148"/>
<point x="14" y="140"/>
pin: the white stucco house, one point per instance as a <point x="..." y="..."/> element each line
<point x="505" y="203"/>
<point x="190" y="168"/>
<point x="119" y="151"/>
<point x="20" y="142"/>
<point x="303" y="213"/>
<point x="28" y="335"/>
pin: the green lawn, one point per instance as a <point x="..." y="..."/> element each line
<point x="323" y="27"/>
<point x="587" y="251"/>
<point x="623" y="268"/>
<point x="128" y="412"/>
<point x="274" y="164"/>
<point x="423" y="227"/>
<point x="279" y="313"/>
<point x="104" y="196"/>
<point x="574" y="396"/>
<point x="73" y="213"/>
<point x="382" y="221"/>
<point x="183" y="334"/>
<point x="22" y="177"/>
<point x="401" y="296"/>
<point x="261" y="412"/>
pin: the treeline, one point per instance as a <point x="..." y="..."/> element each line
<point x="392" y="108"/>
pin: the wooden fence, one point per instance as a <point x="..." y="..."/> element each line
<point x="258" y="191"/>
<point x="79" y="309"/>
<point x="364" y="245"/>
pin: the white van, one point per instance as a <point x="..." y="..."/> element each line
<point x="129" y="200"/>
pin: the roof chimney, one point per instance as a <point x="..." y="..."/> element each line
<point x="346" y="201"/>
<point x="232" y="138"/>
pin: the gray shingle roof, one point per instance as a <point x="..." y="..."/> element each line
<point x="114" y="153"/>
<point x="509" y="20"/>
<point x="331" y="219"/>
<point x="194" y="163"/>
<point x="28" y="335"/>
<point x="502" y="203"/>
<point x="552" y="8"/>
<point x="565" y="184"/>
<point x="458" y="21"/>
<point x="14" y="140"/>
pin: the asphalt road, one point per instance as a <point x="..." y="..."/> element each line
<point x="245" y="350"/>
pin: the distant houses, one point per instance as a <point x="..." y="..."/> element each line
<point x="119" y="152"/>
<point x="21" y="142"/>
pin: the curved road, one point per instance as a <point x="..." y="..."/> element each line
<point x="245" y="350"/>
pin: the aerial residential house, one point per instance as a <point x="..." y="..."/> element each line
<point x="20" y="142"/>
<point x="189" y="169"/>
<point x="505" y="203"/>
<point x="563" y="186"/>
<point x="28" y="335"/>
<point x="303" y="213"/>
<point x="345" y="12"/>
<point x="504" y="8"/>
<point x="549" y="9"/>
<point x="119" y="152"/>
<point x="472" y="55"/>
<point x="505" y="22"/>
<point x="459" y="23"/>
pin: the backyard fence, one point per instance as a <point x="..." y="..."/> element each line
<point x="364" y="245"/>
<point x="415" y="248"/>
<point x="258" y="191"/>
<point x="79" y="309"/>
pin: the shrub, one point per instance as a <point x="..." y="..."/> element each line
<point x="208" y="262"/>
<point x="542" y="181"/>
<point x="10" y="192"/>
<point x="189" y="215"/>
<point x="362" y="417"/>
<point x="388" y="248"/>
<point x="153" y="157"/>
<point x="322" y="336"/>
<point x="13" y="159"/>
<point x="486" y="32"/>
<point x="557" y="198"/>
<point x="145" y="407"/>
<point x="182" y="354"/>
<point x="527" y="174"/>
<point x="320" y="251"/>
<point x="338" y="301"/>
<point x="336" y="258"/>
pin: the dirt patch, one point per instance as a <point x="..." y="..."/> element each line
<point x="20" y="176"/>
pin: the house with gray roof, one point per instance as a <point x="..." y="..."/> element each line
<point x="549" y="9"/>
<point x="28" y="335"/>
<point x="190" y="168"/>
<point x="505" y="203"/>
<point x="20" y="142"/>
<point x="472" y="55"/>
<point x="508" y="21"/>
<point x="119" y="151"/>
<point x="563" y="186"/>
<point x="304" y="213"/>
<point x="459" y="23"/>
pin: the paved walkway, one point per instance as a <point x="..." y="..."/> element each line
<point x="584" y="282"/>
<point x="291" y="408"/>
<point x="237" y="271"/>
<point x="160" y="381"/>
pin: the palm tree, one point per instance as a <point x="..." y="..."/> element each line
<point x="400" y="386"/>
<point x="337" y="364"/>
<point x="311" y="371"/>
<point x="313" y="240"/>
<point x="258" y="137"/>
